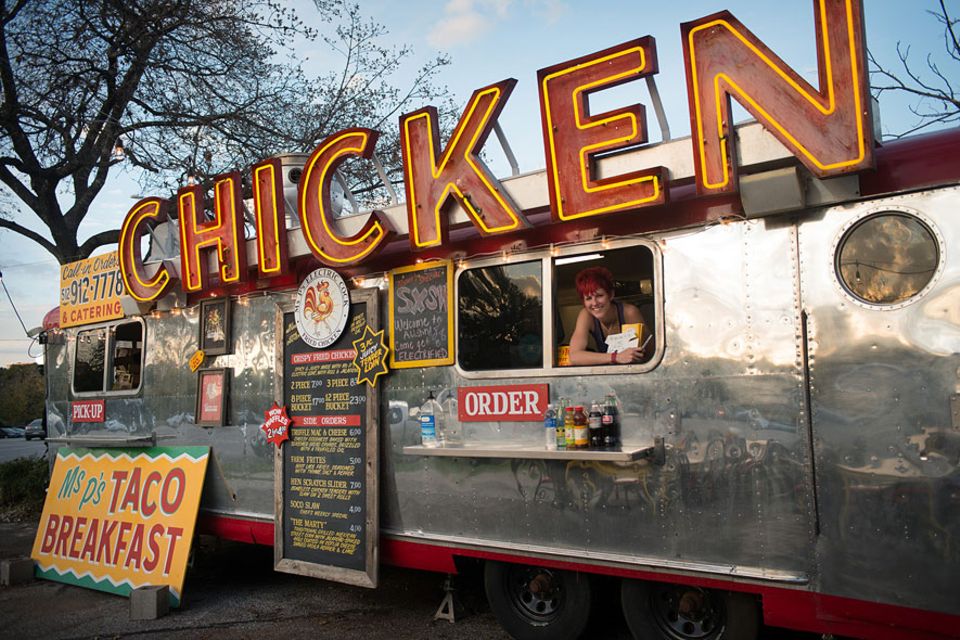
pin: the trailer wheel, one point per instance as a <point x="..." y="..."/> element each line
<point x="656" y="611"/>
<point x="536" y="603"/>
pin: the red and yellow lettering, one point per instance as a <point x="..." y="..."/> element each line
<point x="131" y="497"/>
<point x="271" y="221"/>
<point x="316" y="218"/>
<point x="78" y="531"/>
<point x="460" y="173"/>
<point x="90" y="544"/>
<point x="136" y="548"/>
<point x="66" y="527"/>
<point x="106" y="536"/>
<point x="122" y="542"/>
<point x="146" y="507"/>
<point x="827" y="129"/>
<point x="169" y="505"/>
<point x="139" y="285"/>
<point x="118" y="477"/>
<point x="173" y="535"/>
<point x="50" y="533"/>
<point x="224" y="233"/>
<point x="572" y="136"/>
<point x="151" y="563"/>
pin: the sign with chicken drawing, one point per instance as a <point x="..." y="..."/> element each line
<point x="323" y="304"/>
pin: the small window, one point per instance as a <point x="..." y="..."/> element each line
<point x="632" y="271"/>
<point x="88" y="371"/>
<point x="109" y="359"/>
<point x="887" y="258"/>
<point x="500" y="317"/>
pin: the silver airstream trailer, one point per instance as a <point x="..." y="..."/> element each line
<point x="789" y="448"/>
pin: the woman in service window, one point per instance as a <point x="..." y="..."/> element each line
<point x="602" y="315"/>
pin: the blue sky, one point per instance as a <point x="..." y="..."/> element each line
<point x="489" y="40"/>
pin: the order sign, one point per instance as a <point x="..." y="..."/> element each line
<point x="90" y="290"/>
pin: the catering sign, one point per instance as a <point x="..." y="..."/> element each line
<point x="119" y="519"/>
<point x="90" y="290"/>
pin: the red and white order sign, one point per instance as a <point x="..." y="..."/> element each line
<point x="504" y="403"/>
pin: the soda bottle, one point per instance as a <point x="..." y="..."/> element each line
<point x="580" y="435"/>
<point x="561" y="435"/>
<point x="428" y="422"/>
<point x="611" y="423"/>
<point x="550" y="428"/>
<point x="568" y="426"/>
<point x="595" y="426"/>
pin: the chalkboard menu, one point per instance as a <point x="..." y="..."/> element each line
<point x="421" y="315"/>
<point x="326" y="482"/>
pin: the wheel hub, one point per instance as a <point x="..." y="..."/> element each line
<point x="686" y="614"/>
<point x="537" y="593"/>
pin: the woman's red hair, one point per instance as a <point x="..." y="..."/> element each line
<point x="593" y="278"/>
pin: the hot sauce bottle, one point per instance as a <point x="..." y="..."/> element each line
<point x="580" y="435"/>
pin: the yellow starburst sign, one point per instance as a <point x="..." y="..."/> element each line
<point x="371" y="357"/>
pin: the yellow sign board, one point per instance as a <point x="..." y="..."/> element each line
<point x="119" y="519"/>
<point x="90" y="290"/>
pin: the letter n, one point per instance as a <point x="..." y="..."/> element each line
<point x="224" y="233"/>
<point x="316" y="217"/>
<point x="573" y="137"/>
<point x="459" y="174"/>
<point x="140" y="284"/>
<point x="829" y="129"/>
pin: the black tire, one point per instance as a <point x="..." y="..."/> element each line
<point x="536" y="603"/>
<point x="660" y="611"/>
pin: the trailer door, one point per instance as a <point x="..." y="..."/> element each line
<point x="880" y="285"/>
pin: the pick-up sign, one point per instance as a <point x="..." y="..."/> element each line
<point x="87" y="411"/>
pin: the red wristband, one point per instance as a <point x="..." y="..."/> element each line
<point x="613" y="358"/>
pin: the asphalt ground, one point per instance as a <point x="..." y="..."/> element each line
<point x="11" y="448"/>
<point x="231" y="591"/>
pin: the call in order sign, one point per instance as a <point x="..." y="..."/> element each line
<point x="90" y="290"/>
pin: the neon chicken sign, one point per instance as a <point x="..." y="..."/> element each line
<point x="827" y="129"/>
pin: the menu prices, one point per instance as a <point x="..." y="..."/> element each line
<point x="421" y="317"/>
<point x="324" y="468"/>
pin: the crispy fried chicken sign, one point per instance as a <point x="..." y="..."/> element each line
<point x="323" y="304"/>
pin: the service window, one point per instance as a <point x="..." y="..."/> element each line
<point x="109" y="359"/>
<point x="634" y="281"/>
<point x="519" y="316"/>
<point x="500" y="317"/>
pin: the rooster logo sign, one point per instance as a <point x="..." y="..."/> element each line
<point x="323" y="303"/>
<point x="317" y="303"/>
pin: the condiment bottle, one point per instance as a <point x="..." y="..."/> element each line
<point x="580" y="436"/>
<point x="595" y="425"/>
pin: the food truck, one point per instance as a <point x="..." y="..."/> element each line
<point x="788" y="450"/>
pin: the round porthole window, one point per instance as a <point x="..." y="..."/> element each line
<point x="887" y="258"/>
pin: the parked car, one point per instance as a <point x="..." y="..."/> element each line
<point x="11" y="432"/>
<point x="35" y="430"/>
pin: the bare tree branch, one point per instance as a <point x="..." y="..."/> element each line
<point x="187" y="87"/>
<point x="936" y="102"/>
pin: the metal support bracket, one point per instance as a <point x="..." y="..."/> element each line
<point x="446" y="611"/>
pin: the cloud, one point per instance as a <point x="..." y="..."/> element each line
<point x="465" y="21"/>
<point x="458" y="29"/>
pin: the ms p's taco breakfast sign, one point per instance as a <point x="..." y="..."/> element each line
<point x="119" y="519"/>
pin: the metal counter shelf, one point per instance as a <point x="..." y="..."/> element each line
<point x="654" y="452"/>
